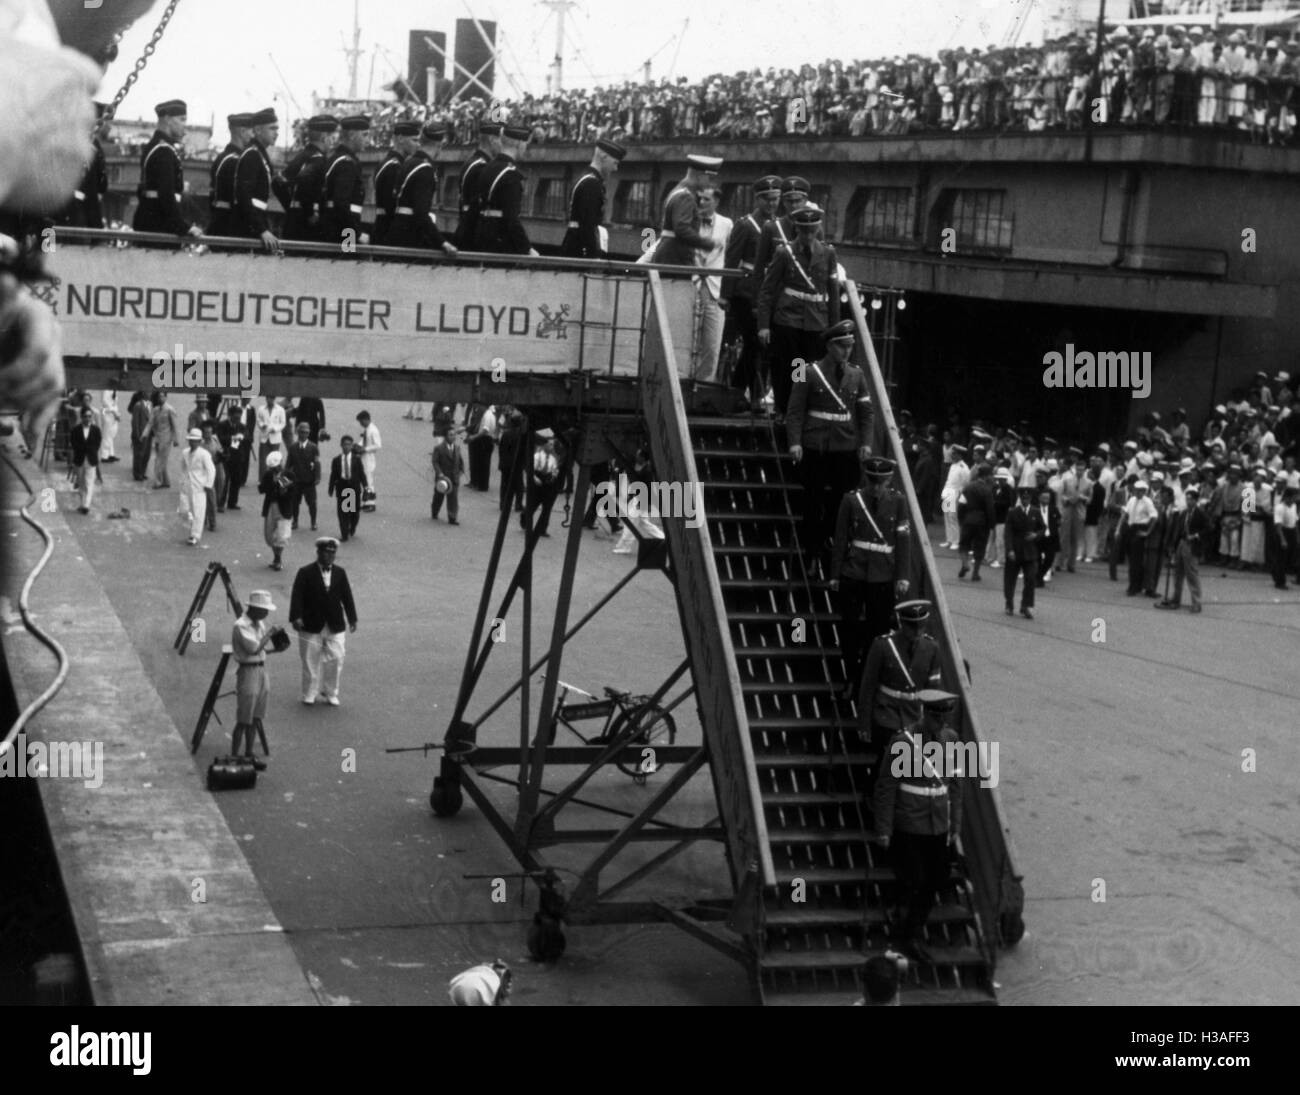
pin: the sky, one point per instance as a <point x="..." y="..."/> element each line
<point x="228" y="55"/>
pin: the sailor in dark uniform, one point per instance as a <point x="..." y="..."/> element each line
<point x="414" y="223"/>
<point x="162" y="175"/>
<point x="739" y="295"/>
<point x="256" y="180"/>
<point x="472" y="185"/>
<point x="86" y="210"/>
<point x="344" y="188"/>
<point x="406" y="142"/>
<point x="306" y="178"/>
<point x="221" y="193"/>
<point x="679" y="236"/>
<point x="587" y="204"/>
<point x="829" y="434"/>
<point x="780" y="230"/>
<point x="869" y="563"/>
<point x="500" y="230"/>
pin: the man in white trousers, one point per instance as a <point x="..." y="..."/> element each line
<point x="109" y="417"/>
<point x="709" y="314"/>
<point x="198" y="476"/>
<point x="322" y="611"/>
<point x="368" y="444"/>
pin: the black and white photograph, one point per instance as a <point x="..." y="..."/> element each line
<point x="565" y="503"/>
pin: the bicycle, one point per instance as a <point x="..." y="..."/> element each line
<point x="629" y="720"/>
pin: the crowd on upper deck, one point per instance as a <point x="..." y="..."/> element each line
<point x="1189" y="75"/>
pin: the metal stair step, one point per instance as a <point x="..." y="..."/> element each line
<point x="812" y="798"/>
<point x="790" y="917"/>
<point x="748" y="484"/>
<point x="811" y="960"/>
<point x="752" y="617"/>
<point x="743" y="454"/>
<point x="762" y="518"/>
<point x="816" y="688"/>
<point x="908" y="997"/>
<point x="810" y="760"/>
<point x="783" y="723"/>
<point x="768" y="583"/>
<point x="816" y="836"/>
<point x="798" y="650"/>
<point x="828" y="876"/>
<point x="755" y="550"/>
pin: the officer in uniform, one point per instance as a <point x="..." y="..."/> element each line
<point x="899" y="665"/>
<point x="345" y="184"/>
<point x="221" y="192"/>
<point x="499" y="228"/>
<point x="739" y="294"/>
<point x="250" y="638"/>
<point x="414" y="223"/>
<point x="799" y="298"/>
<point x="829" y="432"/>
<point x="472" y="184"/>
<point x="256" y="180"/>
<point x="162" y="175"/>
<point x="306" y="178"/>
<point x="587" y="204"/>
<point x="917" y="807"/>
<point x="780" y="230"/>
<point x="680" y="237"/>
<point x="869" y="563"/>
<point x="86" y="210"/>
<point x="406" y="142"/>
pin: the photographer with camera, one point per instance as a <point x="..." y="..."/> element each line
<point x="250" y="638"/>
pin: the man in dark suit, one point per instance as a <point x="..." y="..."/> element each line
<point x="348" y="482"/>
<point x="85" y="457"/>
<point x="587" y="203"/>
<point x="303" y="466"/>
<point x="311" y="412"/>
<point x="1025" y="531"/>
<point x="322" y="611"/>
<point x="977" y="515"/>
<point x="500" y="229"/>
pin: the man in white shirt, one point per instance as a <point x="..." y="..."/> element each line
<point x="958" y="479"/>
<point x="270" y="430"/>
<point x="715" y="228"/>
<point x="110" y="416"/>
<point x="198" y="476"/>
<point x="1140" y="513"/>
<point x="368" y="444"/>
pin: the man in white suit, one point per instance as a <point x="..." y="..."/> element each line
<point x="198" y="476"/>
<point x="715" y="228"/>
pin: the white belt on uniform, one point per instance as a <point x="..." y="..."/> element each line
<point x="811" y="298"/>
<point x="574" y="224"/>
<point x="747" y="266"/>
<point x="866" y="545"/>
<point x="667" y="235"/>
<point x="831" y="416"/>
<point x="491" y="213"/>
<point x="258" y="203"/>
<point x="404" y="211"/>
<point x="155" y="194"/>
<point x="81" y="197"/>
<point x="221" y="205"/>
<point x="895" y="694"/>
<point x="929" y="792"/>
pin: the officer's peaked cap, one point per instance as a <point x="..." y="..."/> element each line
<point x="913" y="611"/>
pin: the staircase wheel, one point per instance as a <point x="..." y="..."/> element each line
<point x="445" y="799"/>
<point x="1011" y="927"/>
<point x="654" y="727"/>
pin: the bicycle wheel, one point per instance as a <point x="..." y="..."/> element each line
<point x="654" y="727"/>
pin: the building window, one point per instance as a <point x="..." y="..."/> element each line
<point x="738" y="199"/>
<point x="548" y="199"/>
<point x="982" y="219"/>
<point x="881" y="214"/>
<point x="633" y="203"/>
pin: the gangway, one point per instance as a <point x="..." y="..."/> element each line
<point x="598" y="346"/>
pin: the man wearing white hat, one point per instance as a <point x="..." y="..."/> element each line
<point x="249" y="639"/>
<point x="322" y="611"/>
<point x="482" y="986"/>
<point x="198" y="476"/>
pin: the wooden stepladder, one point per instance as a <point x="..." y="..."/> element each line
<point x="209" y="580"/>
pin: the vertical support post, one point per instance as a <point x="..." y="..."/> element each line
<point x="529" y="792"/>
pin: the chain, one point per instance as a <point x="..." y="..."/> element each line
<point x="142" y="61"/>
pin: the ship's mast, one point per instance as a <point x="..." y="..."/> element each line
<point x="353" y="53"/>
<point x="561" y="9"/>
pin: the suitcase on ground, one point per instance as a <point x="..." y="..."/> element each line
<point x="232" y="774"/>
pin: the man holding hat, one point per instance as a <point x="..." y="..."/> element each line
<point x="256" y="181"/>
<point x="680" y="237"/>
<point x="869" y="563"/>
<point x="344" y="187"/>
<point x="917" y="806"/>
<point x="221" y="192"/>
<point x="368" y="444"/>
<point x="798" y="299"/>
<point x="406" y="142"/>
<point x="162" y="175"/>
<point x="899" y="665"/>
<point x="739" y="295"/>
<point x="829" y="433"/>
<point x="500" y="229"/>
<point x="414" y="223"/>
<point x="473" y="185"/>
<point x="198" y="476"/>
<point x="587" y="204"/>
<point x="448" y="469"/>
<point x="1182" y="543"/>
<point x="249" y="638"/>
<point x="1025" y="532"/>
<point x="322" y="611"/>
<point x="306" y="178"/>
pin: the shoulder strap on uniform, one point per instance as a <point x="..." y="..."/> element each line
<point x="826" y="383"/>
<point x="574" y="196"/>
<point x="857" y="494"/>
<point x="501" y="175"/>
<point x="410" y="175"/>
<point x="901" y="664"/>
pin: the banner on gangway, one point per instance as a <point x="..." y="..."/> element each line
<point x="135" y="303"/>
